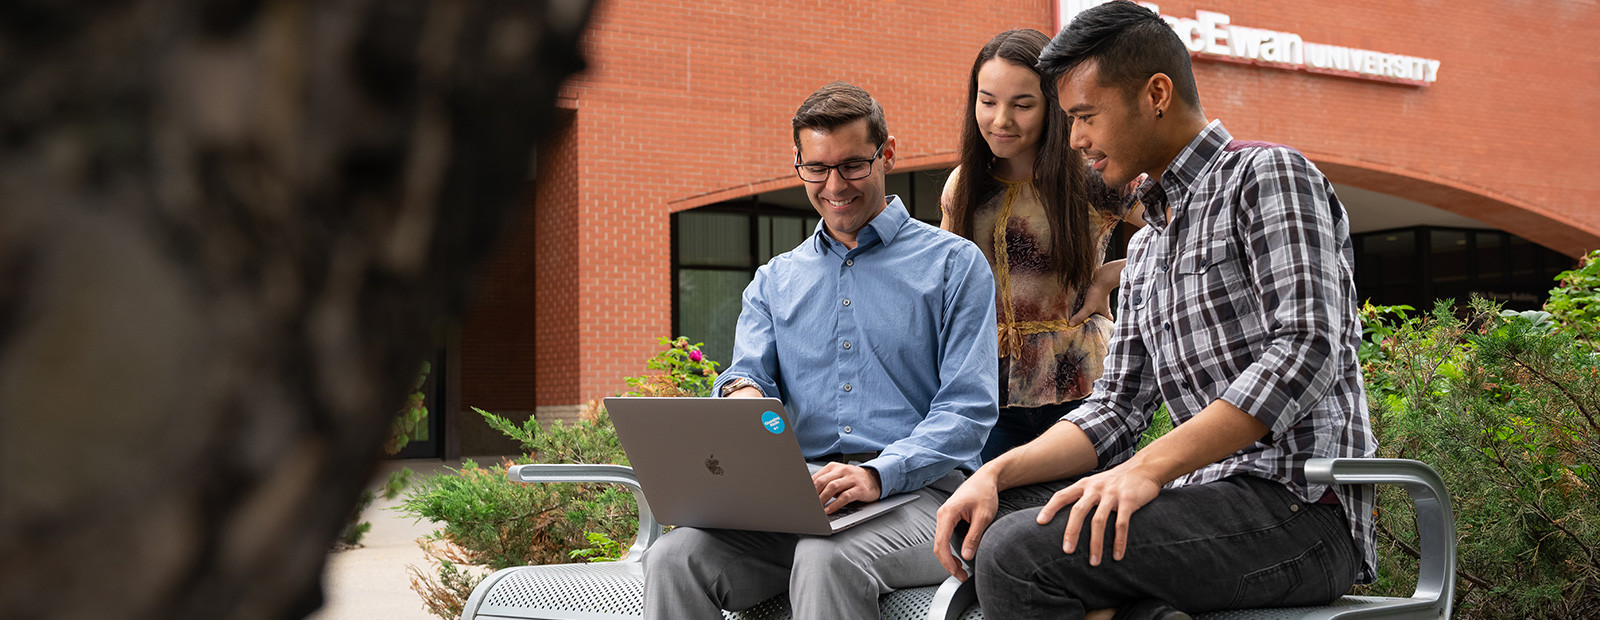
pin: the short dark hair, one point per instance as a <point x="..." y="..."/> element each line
<point x="1131" y="44"/>
<point x="838" y="104"/>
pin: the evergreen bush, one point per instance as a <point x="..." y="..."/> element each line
<point x="1505" y="406"/>
<point x="487" y="522"/>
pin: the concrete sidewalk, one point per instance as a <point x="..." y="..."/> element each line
<point x="370" y="581"/>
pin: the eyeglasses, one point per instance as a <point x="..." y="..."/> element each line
<point x="853" y="170"/>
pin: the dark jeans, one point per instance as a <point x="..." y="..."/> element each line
<point x="1020" y="425"/>
<point x="1238" y="543"/>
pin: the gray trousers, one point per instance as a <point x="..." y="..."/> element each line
<point x="694" y="574"/>
<point x="1242" y="542"/>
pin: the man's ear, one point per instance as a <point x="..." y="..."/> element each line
<point x="1158" y="93"/>
<point x="888" y="155"/>
<point x="796" y="154"/>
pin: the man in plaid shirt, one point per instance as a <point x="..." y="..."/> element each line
<point x="1238" y="311"/>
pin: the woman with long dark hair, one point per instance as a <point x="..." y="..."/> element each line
<point x="1044" y="221"/>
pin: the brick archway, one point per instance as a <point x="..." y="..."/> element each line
<point x="1520" y="218"/>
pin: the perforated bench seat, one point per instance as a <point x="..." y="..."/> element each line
<point x="614" y="590"/>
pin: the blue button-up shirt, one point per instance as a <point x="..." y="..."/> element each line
<point x="887" y="347"/>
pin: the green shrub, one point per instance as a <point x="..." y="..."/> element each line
<point x="1160" y="424"/>
<point x="487" y="522"/>
<point x="411" y="421"/>
<point x="1504" y="405"/>
<point x="1575" y="303"/>
<point x="685" y="371"/>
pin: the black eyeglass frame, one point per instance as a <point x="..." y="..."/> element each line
<point x="835" y="168"/>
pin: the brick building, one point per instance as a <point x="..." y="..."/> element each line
<point x="671" y="179"/>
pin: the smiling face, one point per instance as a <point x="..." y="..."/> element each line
<point x="845" y="206"/>
<point x="1114" y="132"/>
<point x="1010" y="113"/>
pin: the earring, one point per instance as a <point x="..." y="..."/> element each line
<point x="1158" y="113"/>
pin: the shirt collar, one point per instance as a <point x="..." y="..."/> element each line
<point x="1179" y="178"/>
<point x="883" y="227"/>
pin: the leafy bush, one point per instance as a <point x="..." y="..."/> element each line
<point x="1505" y="406"/>
<point x="411" y="421"/>
<point x="685" y="371"/>
<point x="1575" y="304"/>
<point x="488" y="522"/>
<point x="1160" y="424"/>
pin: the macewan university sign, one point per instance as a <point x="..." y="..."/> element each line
<point x="1213" y="36"/>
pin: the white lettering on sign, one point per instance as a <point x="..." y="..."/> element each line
<point x="1212" y="35"/>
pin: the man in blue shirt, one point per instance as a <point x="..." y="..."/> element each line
<point x="877" y="333"/>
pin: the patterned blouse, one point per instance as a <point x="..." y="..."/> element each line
<point x="1044" y="360"/>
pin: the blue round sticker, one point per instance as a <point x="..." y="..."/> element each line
<point x="772" y="421"/>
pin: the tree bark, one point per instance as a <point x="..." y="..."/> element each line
<point x="226" y="227"/>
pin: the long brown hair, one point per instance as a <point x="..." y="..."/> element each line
<point x="1058" y="170"/>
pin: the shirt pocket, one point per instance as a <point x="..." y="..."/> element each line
<point x="1213" y="293"/>
<point x="1211" y="272"/>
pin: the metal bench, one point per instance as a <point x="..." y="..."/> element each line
<point x="614" y="590"/>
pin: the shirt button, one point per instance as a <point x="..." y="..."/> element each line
<point x="850" y="262"/>
<point x="1166" y="326"/>
<point x="846" y="387"/>
<point x="846" y="302"/>
<point x="848" y="430"/>
<point x="1292" y="507"/>
<point x="1184" y="384"/>
<point x="1163" y="267"/>
<point x="847" y="345"/>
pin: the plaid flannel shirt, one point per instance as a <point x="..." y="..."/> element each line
<point x="1246" y="295"/>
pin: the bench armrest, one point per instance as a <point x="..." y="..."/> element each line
<point x="1436" y="529"/>
<point x="649" y="530"/>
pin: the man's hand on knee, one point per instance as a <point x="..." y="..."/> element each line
<point x="976" y="503"/>
<point x="1123" y="490"/>
<point x="842" y="484"/>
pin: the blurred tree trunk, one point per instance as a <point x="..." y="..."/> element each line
<point x="225" y="229"/>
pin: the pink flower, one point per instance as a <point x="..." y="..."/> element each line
<point x="696" y="356"/>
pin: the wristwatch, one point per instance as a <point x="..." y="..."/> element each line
<point x="740" y="383"/>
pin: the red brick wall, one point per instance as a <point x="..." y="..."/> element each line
<point x="687" y="103"/>
<point x="558" y="259"/>
<point x="497" y="335"/>
<point x="1508" y="134"/>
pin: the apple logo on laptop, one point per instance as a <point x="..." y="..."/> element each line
<point x="713" y="467"/>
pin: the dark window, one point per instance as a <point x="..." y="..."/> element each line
<point x="1386" y="267"/>
<point x="708" y="307"/>
<point x="1414" y="266"/>
<point x="1448" y="265"/>
<point x="709" y="239"/>
<point x="1489" y="257"/>
<point x="927" y="186"/>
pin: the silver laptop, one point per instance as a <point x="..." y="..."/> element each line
<point x="731" y="463"/>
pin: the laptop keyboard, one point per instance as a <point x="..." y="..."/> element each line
<point x="844" y="512"/>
